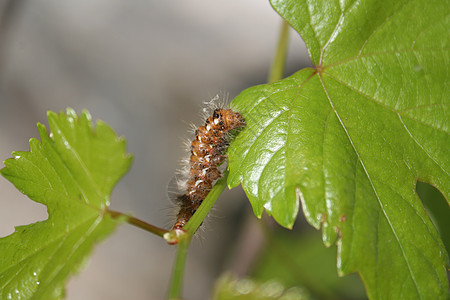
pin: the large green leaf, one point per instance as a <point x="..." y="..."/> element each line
<point x="72" y="172"/>
<point x="352" y="136"/>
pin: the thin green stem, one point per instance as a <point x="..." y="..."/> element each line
<point x="138" y="223"/>
<point x="279" y="61"/>
<point x="197" y="219"/>
<point x="176" y="282"/>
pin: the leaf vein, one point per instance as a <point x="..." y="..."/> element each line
<point x="75" y="247"/>
<point x="382" y="104"/>
<point x="379" y="53"/>
<point x="374" y="190"/>
<point x="420" y="145"/>
<point x="80" y="161"/>
<point x="332" y="37"/>
<point x="56" y="239"/>
<point x="381" y="25"/>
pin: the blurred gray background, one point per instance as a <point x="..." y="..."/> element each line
<point x="144" y="67"/>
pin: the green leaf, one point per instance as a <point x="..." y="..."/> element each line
<point x="72" y="172"/>
<point x="352" y="136"/>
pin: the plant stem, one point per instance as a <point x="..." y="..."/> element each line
<point x="279" y="61"/>
<point x="138" y="223"/>
<point x="197" y="219"/>
<point x="176" y="282"/>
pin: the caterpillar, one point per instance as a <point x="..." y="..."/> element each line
<point x="207" y="152"/>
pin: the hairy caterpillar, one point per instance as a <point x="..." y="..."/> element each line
<point x="207" y="153"/>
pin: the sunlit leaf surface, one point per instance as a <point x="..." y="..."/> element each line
<point x="351" y="137"/>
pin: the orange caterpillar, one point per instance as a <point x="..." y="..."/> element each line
<point x="207" y="153"/>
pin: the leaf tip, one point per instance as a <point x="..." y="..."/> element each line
<point x="129" y="157"/>
<point x="70" y="112"/>
<point x="86" y="115"/>
<point x="51" y="114"/>
<point x="3" y="170"/>
<point x="42" y="131"/>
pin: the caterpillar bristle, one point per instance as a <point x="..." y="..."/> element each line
<point x="192" y="128"/>
<point x="219" y="101"/>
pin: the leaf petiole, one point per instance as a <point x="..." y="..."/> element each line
<point x="138" y="223"/>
